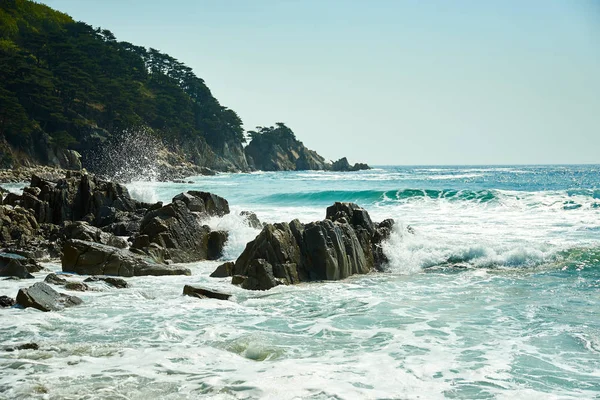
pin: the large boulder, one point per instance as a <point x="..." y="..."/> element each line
<point x="44" y="298"/>
<point x="175" y="232"/>
<point x="345" y="243"/>
<point x="17" y="266"/>
<point x="259" y="276"/>
<point x="89" y="258"/>
<point x="83" y="231"/>
<point x="224" y="270"/>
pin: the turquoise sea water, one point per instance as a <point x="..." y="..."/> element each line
<point x="495" y="296"/>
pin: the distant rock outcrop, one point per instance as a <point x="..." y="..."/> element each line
<point x="277" y="149"/>
<point x="345" y="243"/>
<point x="342" y="165"/>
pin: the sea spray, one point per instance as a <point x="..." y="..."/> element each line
<point x="129" y="155"/>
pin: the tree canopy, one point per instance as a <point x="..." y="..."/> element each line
<point x="60" y="76"/>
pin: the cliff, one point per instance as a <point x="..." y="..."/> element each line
<point x="73" y="96"/>
<point x="67" y="89"/>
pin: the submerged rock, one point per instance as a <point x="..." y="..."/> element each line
<point x="24" y="346"/>
<point x="119" y="283"/>
<point x="88" y="258"/>
<point x="77" y="286"/>
<point x="202" y="293"/>
<point x="54" y="279"/>
<point x="44" y="298"/>
<point x="345" y="243"/>
<point x="6" y="301"/>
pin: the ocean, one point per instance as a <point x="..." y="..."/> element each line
<point x="493" y="293"/>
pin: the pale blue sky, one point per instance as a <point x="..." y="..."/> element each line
<point x="390" y="81"/>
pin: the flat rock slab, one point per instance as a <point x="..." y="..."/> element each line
<point x="202" y="293"/>
<point x="89" y="258"/>
<point x="119" y="283"/>
<point x="24" y="346"/>
<point x="44" y="298"/>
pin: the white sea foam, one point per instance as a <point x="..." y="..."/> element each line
<point x="517" y="321"/>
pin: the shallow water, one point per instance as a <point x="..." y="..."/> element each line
<point x="496" y="295"/>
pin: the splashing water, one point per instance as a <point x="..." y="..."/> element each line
<point x="131" y="155"/>
<point x="492" y="293"/>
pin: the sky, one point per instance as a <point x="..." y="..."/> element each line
<point x="390" y="82"/>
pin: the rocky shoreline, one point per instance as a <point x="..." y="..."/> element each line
<point x="81" y="219"/>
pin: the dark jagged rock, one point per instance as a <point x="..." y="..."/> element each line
<point x="204" y="203"/>
<point x="251" y="219"/>
<point x="202" y="293"/>
<point x="84" y="231"/>
<point x="78" y="196"/>
<point x="44" y="298"/>
<point x="88" y="258"/>
<point x="342" y="165"/>
<point x="259" y="276"/>
<point x="174" y="232"/>
<point x="6" y="301"/>
<point x="24" y="346"/>
<point x="55" y="279"/>
<point x="345" y="243"/>
<point x="18" y="266"/>
<point x="119" y="283"/>
<point x="237" y="279"/>
<point x="216" y="243"/>
<point x="223" y="270"/>
<point x="17" y="224"/>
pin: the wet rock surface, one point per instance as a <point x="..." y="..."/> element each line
<point x="88" y="258"/>
<point x="118" y="283"/>
<point x="347" y="242"/>
<point x="202" y="293"/>
<point x="17" y="266"/>
<point x="175" y="232"/>
<point x="44" y="298"/>
<point x="6" y="301"/>
<point x="224" y="270"/>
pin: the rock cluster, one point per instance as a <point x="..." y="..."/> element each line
<point x="342" y="165"/>
<point x="347" y="242"/>
<point x="175" y="231"/>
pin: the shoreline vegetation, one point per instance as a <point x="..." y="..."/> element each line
<point x="72" y="96"/>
